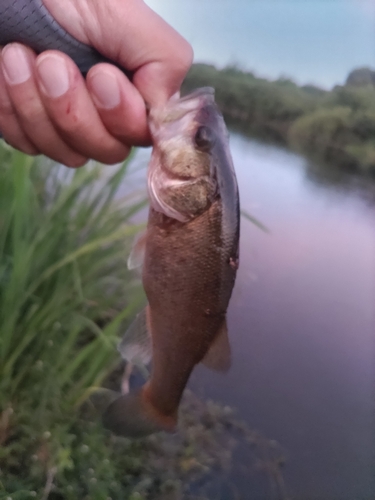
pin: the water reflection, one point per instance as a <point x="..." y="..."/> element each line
<point x="302" y="324"/>
<point x="334" y="177"/>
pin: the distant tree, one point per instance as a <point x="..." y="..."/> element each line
<point x="361" y="76"/>
<point x="337" y="126"/>
<point x="313" y="90"/>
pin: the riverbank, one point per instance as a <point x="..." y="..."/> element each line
<point x="335" y="127"/>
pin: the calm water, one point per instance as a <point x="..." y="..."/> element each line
<point x="302" y="325"/>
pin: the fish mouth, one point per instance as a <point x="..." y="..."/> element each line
<point x="201" y="92"/>
<point x="178" y="107"/>
<point x="174" y="126"/>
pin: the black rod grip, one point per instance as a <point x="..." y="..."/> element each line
<point x="29" y="22"/>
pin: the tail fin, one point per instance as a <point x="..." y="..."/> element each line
<point x="134" y="416"/>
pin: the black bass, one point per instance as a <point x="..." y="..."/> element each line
<point x="190" y="261"/>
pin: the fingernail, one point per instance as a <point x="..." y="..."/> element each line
<point x="16" y="64"/>
<point x="105" y="88"/>
<point x="53" y="74"/>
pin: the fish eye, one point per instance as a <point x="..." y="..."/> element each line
<point x="204" y="138"/>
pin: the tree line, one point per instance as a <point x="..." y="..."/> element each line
<point x="336" y="126"/>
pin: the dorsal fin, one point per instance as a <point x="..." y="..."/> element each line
<point x="218" y="356"/>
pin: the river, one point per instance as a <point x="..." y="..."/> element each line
<point x="302" y="325"/>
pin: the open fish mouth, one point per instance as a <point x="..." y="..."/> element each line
<point x="181" y="175"/>
<point x="202" y="92"/>
<point x="177" y="108"/>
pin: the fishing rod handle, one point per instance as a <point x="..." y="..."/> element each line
<point x="29" y="22"/>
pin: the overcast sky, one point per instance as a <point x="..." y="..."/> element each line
<point x="312" y="41"/>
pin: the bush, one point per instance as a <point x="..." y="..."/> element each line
<point x="361" y="77"/>
<point x="322" y="133"/>
<point x="254" y="105"/>
<point x="335" y="127"/>
<point x="358" y="99"/>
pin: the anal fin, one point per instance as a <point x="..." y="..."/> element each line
<point x="218" y="356"/>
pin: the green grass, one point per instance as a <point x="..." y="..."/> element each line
<point x="63" y="250"/>
<point x="64" y="291"/>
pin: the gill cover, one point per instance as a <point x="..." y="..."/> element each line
<point x="181" y="179"/>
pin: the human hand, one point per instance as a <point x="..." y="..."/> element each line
<point x="47" y="107"/>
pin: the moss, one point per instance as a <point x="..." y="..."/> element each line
<point x="82" y="460"/>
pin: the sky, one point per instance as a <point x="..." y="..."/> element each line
<point x="311" y="41"/>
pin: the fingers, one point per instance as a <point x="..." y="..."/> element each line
<point x="133" y="35"/>
<point x="119" y="104"/>
<point x="9" y="124"/>
<point x="46" y="107"/>
<point x="69" y="105"/>
<point x="161" y="69"/>
<point x="159" y="55"/>
<point x="28" y="110"/>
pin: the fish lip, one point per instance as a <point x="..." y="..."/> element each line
<point x="178" y="107"/>
<point x="201" y="92"/>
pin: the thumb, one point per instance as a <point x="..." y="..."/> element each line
<point x="135" y="37"/>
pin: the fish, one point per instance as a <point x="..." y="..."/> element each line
<point x="191" y="257"/>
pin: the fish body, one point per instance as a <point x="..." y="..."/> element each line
<point x="191" y="258"/>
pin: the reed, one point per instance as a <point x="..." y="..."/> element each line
<point x="64" y="284"/>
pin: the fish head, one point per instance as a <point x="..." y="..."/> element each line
<point x="187" y="133"/>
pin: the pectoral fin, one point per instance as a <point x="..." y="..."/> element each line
<point x="136" y="344"/>
<point x="137" y="252"/>
<point x="218" y="356"/>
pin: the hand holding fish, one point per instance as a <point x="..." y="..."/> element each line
<point x="47" y="107"/>
<point x="191" y="244"/>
